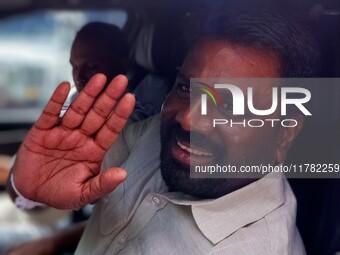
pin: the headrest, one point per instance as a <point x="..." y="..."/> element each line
<point x="143" y="51"/>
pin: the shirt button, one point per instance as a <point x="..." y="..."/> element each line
<point x="156" y="201"/>
<point x="122" y="239"/>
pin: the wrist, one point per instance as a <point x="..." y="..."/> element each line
<point x="19" y="200"/>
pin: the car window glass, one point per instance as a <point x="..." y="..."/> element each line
<point x="34" y="57"/>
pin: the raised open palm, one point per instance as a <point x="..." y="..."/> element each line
<point x="59" y="161"/>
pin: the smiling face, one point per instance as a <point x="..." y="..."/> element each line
<point x="240" y="145"/>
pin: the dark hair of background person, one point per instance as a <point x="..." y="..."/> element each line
<point x="107" y="34"/>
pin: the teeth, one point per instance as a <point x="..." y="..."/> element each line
<point x="196" y="152"/>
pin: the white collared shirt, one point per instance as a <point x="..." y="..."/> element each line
<point x="141" y="217"/>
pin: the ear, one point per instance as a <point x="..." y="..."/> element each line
<point x="287" y="137"/>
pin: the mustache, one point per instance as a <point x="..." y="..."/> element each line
<point x="194" y="138"/>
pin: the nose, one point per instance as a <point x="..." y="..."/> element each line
<point x="191" y="119"/>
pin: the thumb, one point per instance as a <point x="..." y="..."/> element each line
<point x="104" y="183"/>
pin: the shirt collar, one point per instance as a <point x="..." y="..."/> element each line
<point x="219" y="218"/>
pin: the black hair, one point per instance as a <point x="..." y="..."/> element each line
<point x="296" y="48"/>
<point x="106" y="35"/>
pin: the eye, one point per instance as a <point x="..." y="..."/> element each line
<point x="226" y="108"/>
<point x="183" y="90"/>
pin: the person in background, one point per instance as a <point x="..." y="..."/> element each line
<point x="99" y="47"/>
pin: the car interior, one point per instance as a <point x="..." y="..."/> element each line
<point x="36" y="36"/>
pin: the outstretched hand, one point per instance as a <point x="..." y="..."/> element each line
<point x="58" y="163"/>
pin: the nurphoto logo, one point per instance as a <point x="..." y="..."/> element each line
<point x="281" y="99"/>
